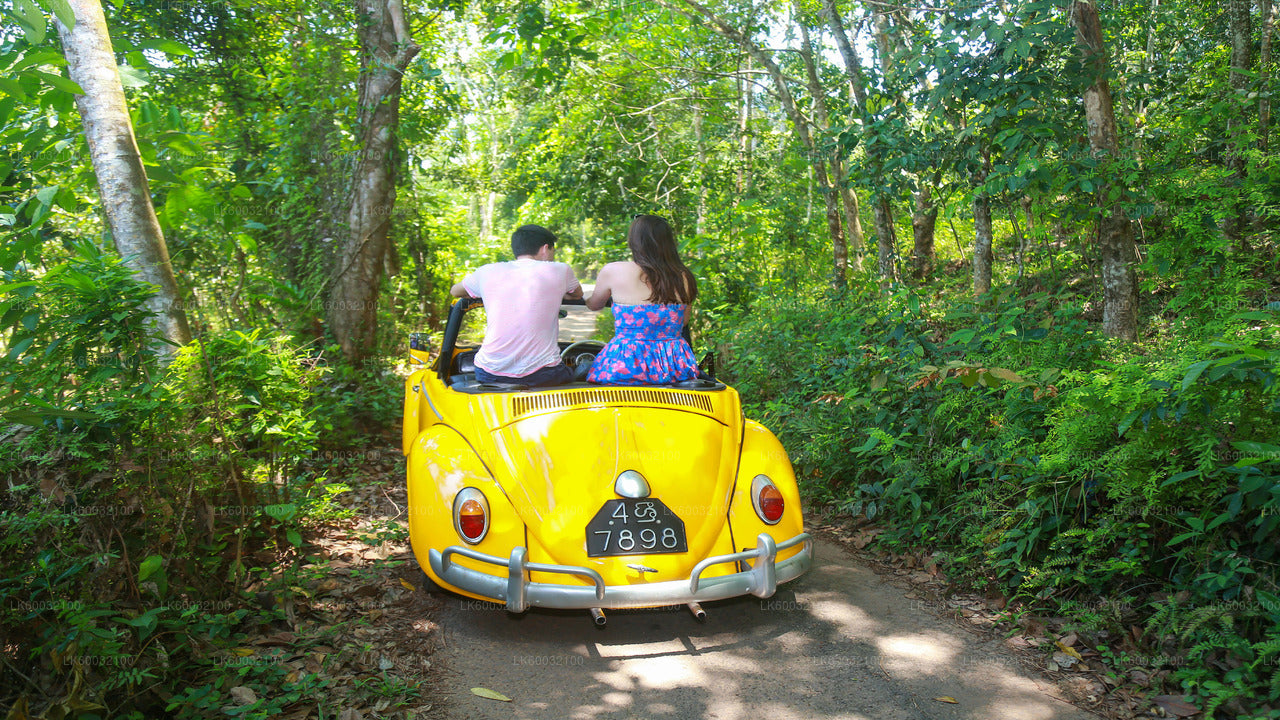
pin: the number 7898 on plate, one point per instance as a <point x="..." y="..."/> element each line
<point x="635" y="526"/>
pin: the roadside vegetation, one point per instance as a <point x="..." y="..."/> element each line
<point x="1003" y="277"/>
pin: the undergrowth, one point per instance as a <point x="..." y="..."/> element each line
<point x="149" y="508"/>
<point x="1046" y="463"/>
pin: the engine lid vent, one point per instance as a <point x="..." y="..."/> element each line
<point x="537" y="402"/>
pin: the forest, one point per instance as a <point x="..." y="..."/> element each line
<point x="1001" y="274"/>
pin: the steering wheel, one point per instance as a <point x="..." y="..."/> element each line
<point x="573" y="354"/>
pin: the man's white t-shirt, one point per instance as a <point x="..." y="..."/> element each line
<point x="522" y="313"/>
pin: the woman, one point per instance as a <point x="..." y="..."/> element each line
<point x="651" y="295"/>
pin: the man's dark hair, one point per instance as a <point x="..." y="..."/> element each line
<point x="527" y="239"/>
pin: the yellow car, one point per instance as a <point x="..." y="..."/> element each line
<point x="593" y="497"/>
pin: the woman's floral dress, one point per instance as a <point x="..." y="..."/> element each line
<point x="647" y="347"/>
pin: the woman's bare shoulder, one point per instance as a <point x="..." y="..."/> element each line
<point x="622" y="266"/>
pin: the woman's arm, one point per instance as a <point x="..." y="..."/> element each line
<point x="603" y="290"/>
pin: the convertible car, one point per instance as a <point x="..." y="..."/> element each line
<point x="592" y="497"/>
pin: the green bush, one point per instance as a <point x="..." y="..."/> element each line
<point x="138" y="497"/>
<point x="1044" y="462"/>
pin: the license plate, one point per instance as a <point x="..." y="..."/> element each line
<point x="635" y="526"/>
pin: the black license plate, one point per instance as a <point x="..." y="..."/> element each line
<point x="640" y="526"/>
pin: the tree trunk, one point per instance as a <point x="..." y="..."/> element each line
<point x="386" y="50"/>
<point x="923" y="222"/>
<point x="122" y="181"/>
<point x="848" y="198"/>
<point x="840" y="250"/>
<point x="852" y="65"/>
<point x="1117" y="250"/>
<point x="743" y="184"/>
<point x="1241" y="24"/>
<point x="852" y="214"/>
<point x="885" y="44"/>
<point x="700" y="219"/>
<point x="1264" y="73"/>
<point x="982" y="241"/>
<point x="886" y="239"/>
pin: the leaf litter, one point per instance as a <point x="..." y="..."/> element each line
<point x="359" y="622"/>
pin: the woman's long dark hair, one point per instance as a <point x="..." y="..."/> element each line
<point x="653" y="248"/>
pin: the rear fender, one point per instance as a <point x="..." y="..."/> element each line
<point x="441" y="464"/>
<point x="763" y="454"/>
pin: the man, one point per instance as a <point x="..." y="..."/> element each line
<point x="522" y="308"/>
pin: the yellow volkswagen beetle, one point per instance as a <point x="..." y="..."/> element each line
<point x="593" y="497"/>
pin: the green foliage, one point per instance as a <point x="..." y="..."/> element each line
<point x="1044" y="462"/>
<point x="79" y="344"/>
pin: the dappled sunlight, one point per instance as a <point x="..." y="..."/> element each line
<point x="640" y="650"/>
<point x="852" y="620"/>
<point x="919" y="654"/>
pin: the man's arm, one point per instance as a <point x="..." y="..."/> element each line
<point x="459" y="291"/>
<point x="576" y="292"/>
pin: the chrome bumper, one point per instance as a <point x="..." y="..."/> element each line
<point x="520" y="594"/>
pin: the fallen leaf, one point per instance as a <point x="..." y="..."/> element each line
<point x="1064" y="660"/>
<point x="242" y="651"/>
<point x="407" y="585"/>
<point x="1176" y="705"/>
<point x="947" y="699"/>
<point x="1068" y="650"/>
<point x="19" y="710"/>
<point x="284" y="638"/>
<point x="1031" y="626"/>
<point x="487" y="693"/>
<point x="1018" y="642"/>
<point x="244" y="695"/>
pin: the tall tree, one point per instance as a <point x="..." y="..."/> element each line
<point x="386" y="51"/>
<point x="1115" y="233"/>
<point x="1264" y="72"/>
<point x="982" y="235"/>
<point x="923" y="222"/>
<point x="886" y="237"/>
<point x="1241" y="24"/>
<point x="852" y="223"/>
<point x="113" y="149"/>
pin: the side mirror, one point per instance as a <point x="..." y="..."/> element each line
<point x="419" y="349"/>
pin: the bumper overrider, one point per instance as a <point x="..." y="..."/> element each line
<point x="520" y="594"/>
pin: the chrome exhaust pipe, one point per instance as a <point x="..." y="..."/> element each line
<point x="698" y="613"/>
<point x="597" y="615"/>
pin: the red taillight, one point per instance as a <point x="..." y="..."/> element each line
<point x="771" y="504"/>
<point x="471" y="520"/>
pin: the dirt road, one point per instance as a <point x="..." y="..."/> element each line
<point x="838" y="643"/>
